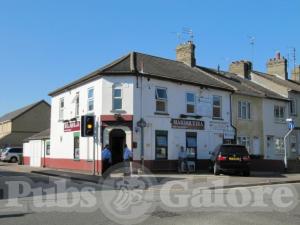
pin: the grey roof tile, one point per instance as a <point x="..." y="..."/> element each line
<point x="14" y="114"/>
<point x="292" y="85"/>
<point x="151" y="66"/>
<point x="45" y="134"/>
<point x="243" y="86"/>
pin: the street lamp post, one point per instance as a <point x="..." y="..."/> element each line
<point x="142" y="124"/>
<point x="291" y="126"/>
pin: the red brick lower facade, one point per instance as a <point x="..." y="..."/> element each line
<point x="26" y="160"/>
<point x="152" y="165"/>
<point x="70" y="164"/>
<point x="203" y="164"/>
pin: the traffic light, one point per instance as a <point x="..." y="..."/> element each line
<point x="87" y="126"/>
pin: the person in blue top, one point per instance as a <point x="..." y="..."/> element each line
<point x="182" y="160"/>
<point x="106" y="158"/>
<point x="127" y="157"/>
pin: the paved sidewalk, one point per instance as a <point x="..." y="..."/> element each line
<point x="202" y="179"/>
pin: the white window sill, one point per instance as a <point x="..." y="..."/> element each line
<point x="162" y="113"/>
<point x="279" y="121"/>
<point x="118" y="111"/>
<point x="217" y="118"/>
<point x="249" y="120"/>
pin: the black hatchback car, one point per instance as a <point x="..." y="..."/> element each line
<point x="230" y="158"/>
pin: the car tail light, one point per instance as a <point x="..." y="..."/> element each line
<point x="246" y="158"/>
<point x="221" y="158"/>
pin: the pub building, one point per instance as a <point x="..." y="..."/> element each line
<point x="152" y="104"/>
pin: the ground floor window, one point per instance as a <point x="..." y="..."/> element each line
<point x="161" y="144"/>
<point x="47" y="147"/>
<point x="243" y="140"/>
<point x="279" y="145"/>
<point x="76" y="145"/>
<point x="293" y="141"/>
<point x="191" y="144"/>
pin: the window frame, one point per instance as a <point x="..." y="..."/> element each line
<point x="281" y="113"/>
<point x="76" y="135"/>
<point x="214" y="106"/>
<point x="158" y="99"/>
<point x="165" y="134"/>
<point x="247" y="106"/>
<point x="293" y="107"/>
<point x="90" y="99"/>
<point x="190" y="103"/>
<point x="279" y="147"/>
<point x="77" y="105"/>
<point x="191" y="135"/>
<point x="61" y="109"/>
<point x="47" y="148"/>
<point x="247" y="140"/>
<point x="117" y="87"/>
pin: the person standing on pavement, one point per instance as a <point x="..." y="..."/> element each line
<point x="106" y="158"/>
<point x="127" y="157"/>
<point x="182" y="159"/>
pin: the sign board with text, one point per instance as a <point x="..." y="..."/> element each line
<point x="187" y="124"/>
<point x="71" y="126"/>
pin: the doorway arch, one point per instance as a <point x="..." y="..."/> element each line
<point x="117" y="141"/>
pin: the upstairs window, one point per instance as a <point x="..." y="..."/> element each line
<point x="77" y="104"/>
<point x="90" y="99"/>
<point x="61" y="109"/>
<point x="293" y="107"/>
<point x="117" y="97"/>
<point x="161" y="100"/>
<point x="244" y="110"/>
<point x="279" y="112"/>
<point x="190" y="103"/>
<point x="217" y="107"/>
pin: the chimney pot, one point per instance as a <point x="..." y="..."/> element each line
<point x="241" y="68"/>
<point x="277" y="55"/>
<point x="186" y="53"/>
<point x="278" y="66"/>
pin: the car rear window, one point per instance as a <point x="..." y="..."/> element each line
<point x="16" y="150"/>
<point x="233" y="150"/>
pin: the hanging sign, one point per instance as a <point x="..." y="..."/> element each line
<point x="72" y="126"/>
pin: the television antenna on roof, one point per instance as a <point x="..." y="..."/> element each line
<point x="252" y="43"/>
<point x="178" y="35"/>
<point x="188" y="31"/>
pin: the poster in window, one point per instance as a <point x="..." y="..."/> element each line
<point x="204" y="106"/>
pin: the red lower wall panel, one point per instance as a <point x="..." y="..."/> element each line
<point x="81" y="165"/>
<point x="153" y="165"/>
<point x="26" y="160"/>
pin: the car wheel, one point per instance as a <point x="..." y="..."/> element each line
<point x="210" y="168"/>
<point x="246" y="173"/>
<point x="216" y="170"/>
<point x="13" y="160"/>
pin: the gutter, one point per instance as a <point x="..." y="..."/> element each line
<point x="235" y="129"/>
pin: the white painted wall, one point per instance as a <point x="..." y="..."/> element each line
<point x="207" y="139"/>
<point x="271" y="127"/>
<point x="35" y="150"/>
<point x="62" y="142"/>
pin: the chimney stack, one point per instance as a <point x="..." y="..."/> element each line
<point x="186" y="53"/>
<point x="278" y="66"/>
<point x="296" y="74"/>
<point x="242" y="68"/>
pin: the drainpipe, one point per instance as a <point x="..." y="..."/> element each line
<point x="44" y="164"/>
<point x="141" y="123"/>
<point x="235" y="130"/>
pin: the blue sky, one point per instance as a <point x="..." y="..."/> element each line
<point x="46" y="44"/>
